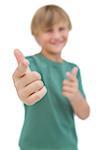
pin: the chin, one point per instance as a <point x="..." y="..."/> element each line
<point x="56" y="52"/>
<point x="59" y="50"/>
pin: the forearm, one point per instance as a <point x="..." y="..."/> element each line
<point x="80" y="106"/>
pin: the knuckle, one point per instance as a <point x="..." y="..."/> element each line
<point x="22" y="94"/>
<point x="36" y="75"/>
<point x="16" y="84"/>
<point x="65" y="82"/>
<point x="38" y="84"/>
<point x="38" y="96"/>
<point x="63" y="88"/>
<point x="28" y="101"/>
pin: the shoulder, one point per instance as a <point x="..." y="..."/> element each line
<point x="31" y="57"/>
<point x="71" y="64"/>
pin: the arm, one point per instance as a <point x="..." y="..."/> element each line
<point x="80" y="106"/>
<point x="72" y="92"/>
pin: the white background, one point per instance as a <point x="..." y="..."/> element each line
<point x="83" y="49"/>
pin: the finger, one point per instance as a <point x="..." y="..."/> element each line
<point x="28" y="79"/>
<point x="70" y="76"/>
<point x="32" y="88"/>
<point x="35" y="97"/>
<point x="74" y="71"/>
<point x="67" y="94"/>
<point x="67" y="89"/>
<point x="67" y="83"/>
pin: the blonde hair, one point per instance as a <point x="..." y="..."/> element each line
<point x="47" y="16"/>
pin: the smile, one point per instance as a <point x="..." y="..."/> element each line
<point x="57" y="43"/>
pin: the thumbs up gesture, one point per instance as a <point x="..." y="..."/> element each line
<point x="70" y="86"/>
<point x="28" y="84"/>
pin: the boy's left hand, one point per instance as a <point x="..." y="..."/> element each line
<point x="70" y="87"/>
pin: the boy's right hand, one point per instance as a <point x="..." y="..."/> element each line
<point x="28" y="83"/>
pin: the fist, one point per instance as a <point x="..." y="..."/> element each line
<point x="28" y="84"/>
<point x="70" y="87"/>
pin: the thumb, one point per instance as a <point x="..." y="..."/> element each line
<point x="19" y="56"/>
<point x="22" y="63"/>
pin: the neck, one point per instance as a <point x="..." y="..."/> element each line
<point x="52" y="56"/>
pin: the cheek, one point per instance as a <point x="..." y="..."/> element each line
<point x="66" y="36"/>
<point x="46" y="40"/>
<point x="43" y="41"/>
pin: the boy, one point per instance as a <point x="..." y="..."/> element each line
<point x="49" y="86"/>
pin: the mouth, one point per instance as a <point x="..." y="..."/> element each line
<point x="57" y="43"/>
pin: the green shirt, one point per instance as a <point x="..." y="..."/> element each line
<point x="49" y="123"/>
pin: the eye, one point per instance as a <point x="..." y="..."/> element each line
<point x="62" y="28"/>
<point x="49" y="30"/>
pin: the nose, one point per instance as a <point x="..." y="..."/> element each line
<point x="56" y="35"/>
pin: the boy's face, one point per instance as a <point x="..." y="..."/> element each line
<point x="53" y="39"/>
